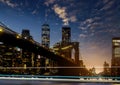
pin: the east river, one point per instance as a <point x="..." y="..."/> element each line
<point x="25" y="82"/>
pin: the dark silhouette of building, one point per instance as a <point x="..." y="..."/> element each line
<point x="26" y="55"/>
<point x="26" y="34"/>
<point x="92" y="71"/>
<point x="115" y="64"/>
<point x="66" y="34"/>
<point x="106" y="71"/>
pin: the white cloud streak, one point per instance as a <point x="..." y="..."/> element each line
<point x="107" y="5"/>
<point x="83" y="36"/>
<point x="105" y="1"/>
<point x="9" y="3"/>
<point x="61" y="12"/>
<point x="48" y="2"/>
<point x="34" y="12"/>
<point x="90" y="23"/>
<point x="73" y="18"/>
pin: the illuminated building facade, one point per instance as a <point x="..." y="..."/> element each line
<point x="9" y="57"/>
<point x="45" y="43"/>
<point x="46" y="35"/>
<point x="115" y="65"/>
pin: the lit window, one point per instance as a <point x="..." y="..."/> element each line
<point x="116" y="41"/>
<point x="117" y="44"/>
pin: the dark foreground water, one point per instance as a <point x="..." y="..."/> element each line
<point x="15" y="82"/>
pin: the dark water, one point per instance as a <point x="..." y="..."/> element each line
<point x="15" y="82"/>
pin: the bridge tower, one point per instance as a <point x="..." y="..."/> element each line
<point x="27" y="57"/>
<point x="76" y="48"/>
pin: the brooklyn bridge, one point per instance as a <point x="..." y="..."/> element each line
<point x="21" y="54"/>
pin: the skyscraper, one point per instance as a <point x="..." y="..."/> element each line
<point x="45" y="43"/>
<point x="66" y="34"/>
<point x="115" y="57"/>
<point x="46" y="35"/>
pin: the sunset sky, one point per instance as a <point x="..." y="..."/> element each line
<point x="93" y="23"/>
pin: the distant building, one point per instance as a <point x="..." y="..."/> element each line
<point x="66" y="34"/>
<point x="9" y="57"/>
<point x="106" y="71"/>
<point x="46" y="35"/>
<point x="26" y="34"/>
<point x="92" y="71"/>
<point x="115" y="64"/>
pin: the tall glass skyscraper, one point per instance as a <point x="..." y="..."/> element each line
<point x="115" y="71"/>
<point x="45" y="43"/>
<point x="46" y="35"/>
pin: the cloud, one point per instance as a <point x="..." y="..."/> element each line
<point x="90" y="23"/>
<point x="34" y="12"/>
<point x="95" y="25"/>
<point x="73" y="19"/>
<point x="105" y="1"/>
<point x="66" y="12"/>
<point x="107" y="5"/>
<point x="82" y="28"/>
<point x="48" y="2"/>
<point x="61" y="12"/>
<point x="86" y="24"/>
<point x="89" y="20"/>
<point x="9" y="3"/>
<point x="83" y="36"/>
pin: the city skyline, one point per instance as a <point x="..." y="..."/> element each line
<point x="93" y="23"/>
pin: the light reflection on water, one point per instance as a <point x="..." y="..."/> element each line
<point x="15" y="82"/>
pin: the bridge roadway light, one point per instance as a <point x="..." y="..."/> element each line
<point x="1" y="30"/>
<point x="18" y="36"/>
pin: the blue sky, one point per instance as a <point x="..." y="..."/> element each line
<point x="93" y="23"/>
